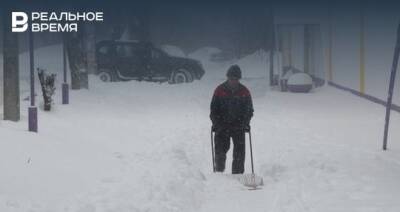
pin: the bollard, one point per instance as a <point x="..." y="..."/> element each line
<point x="65" y="93"/>
<point x="33" y="120"/>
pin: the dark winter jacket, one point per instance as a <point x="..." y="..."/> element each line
<point x="231" y="109"/>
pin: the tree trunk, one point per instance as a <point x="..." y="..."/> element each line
<point x="11" y="72"/>
<point x="48" y="88"/>
<point x="76" y="60"/>
<point x="138" y="24"/>
<point x="90" y="48"/>
<point x="83" y="71"/>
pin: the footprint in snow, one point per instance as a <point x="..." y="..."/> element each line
<point x="118" y="155"/>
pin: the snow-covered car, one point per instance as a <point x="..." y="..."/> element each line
<point x="119" y="60"/>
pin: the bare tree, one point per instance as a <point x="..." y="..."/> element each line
<point x="136" y="24"/>
<point x="11" y="72"/>
<point x="48" y="87"/>
<point x="90" y="47"/>
<point x="76" y="60"/>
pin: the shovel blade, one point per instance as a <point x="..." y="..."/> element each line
<point x="249" y="180"/>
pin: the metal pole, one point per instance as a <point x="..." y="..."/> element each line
<point x="64" y="60"/>
<point x="330" y="45"/>
<point x="32" y="68"/>
<point x="306" y="48"/>
<point x="271" y="67"/>
<point x="272" y="50"/>
<point x="362" y="51"/>
<point x="290" y="46"/>
<point x="251" y="153"/>
<point x="212" y="149"/>
<point x="65" y="86"/>
<point x="32" y="111"/>
<point x="391" y="86"/>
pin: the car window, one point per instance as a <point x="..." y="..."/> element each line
<point x="138" y="52"/>
<point x="156" y="53"/>
<point x="124" y="51"/>
<point x="103" y="50"/>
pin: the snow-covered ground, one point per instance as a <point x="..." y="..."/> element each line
<point x="137" y="146"/>
<point x="145" y="147"/>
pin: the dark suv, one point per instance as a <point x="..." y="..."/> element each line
<point x="133" y="60"/>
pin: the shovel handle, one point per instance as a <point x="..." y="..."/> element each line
<point x="251" y="153"/>
<point x="212" y="149"/>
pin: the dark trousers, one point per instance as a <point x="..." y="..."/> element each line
<point x="222" y="143"/>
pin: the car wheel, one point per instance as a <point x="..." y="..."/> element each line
<point x="106" y="76"/>
<point x="181" y="76"/>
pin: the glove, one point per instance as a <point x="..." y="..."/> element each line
<point x="247" y="125"/>
<point x="247" y="128"/>
<point x="215" y="127"/>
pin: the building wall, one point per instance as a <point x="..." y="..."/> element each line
<point x="345" y="48"/>
<point x="380" y="24"/>
<point x="292" y="18"/>
<point x="380" y="39"/>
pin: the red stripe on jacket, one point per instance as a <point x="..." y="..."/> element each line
<point x="221" y="91"/>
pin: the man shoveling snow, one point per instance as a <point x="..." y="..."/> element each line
<point x="231" y="112"/>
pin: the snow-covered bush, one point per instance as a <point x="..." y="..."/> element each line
<point x="204" y="53"/>
<point x="48" y="88"/>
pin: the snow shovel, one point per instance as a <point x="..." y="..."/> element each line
<point x="249" y="180"/>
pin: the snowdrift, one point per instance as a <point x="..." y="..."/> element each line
<point x="253" y="66"/>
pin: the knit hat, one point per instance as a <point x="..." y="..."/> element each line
<point x="234" y="72"/>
